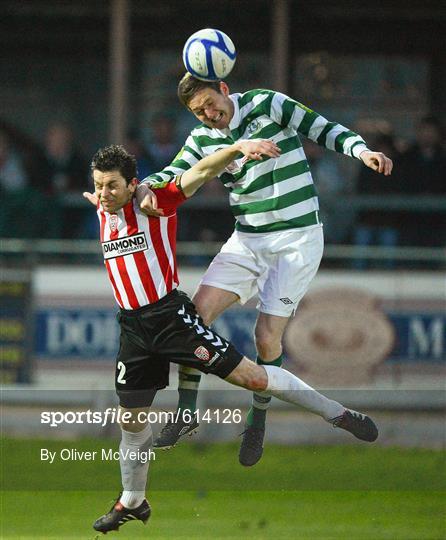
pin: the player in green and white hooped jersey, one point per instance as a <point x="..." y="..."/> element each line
<point x="277" y="244"/>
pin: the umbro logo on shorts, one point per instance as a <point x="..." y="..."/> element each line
<point x="286" y="301"/>
<point x="124" y="246"/>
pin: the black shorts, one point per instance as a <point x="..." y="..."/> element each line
<point x="168" y="331"/>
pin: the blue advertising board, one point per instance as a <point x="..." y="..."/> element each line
<point x="92" y="334"/>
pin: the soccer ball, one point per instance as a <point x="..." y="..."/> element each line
<point x="209" y="55"/>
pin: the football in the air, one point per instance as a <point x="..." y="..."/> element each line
<point x="209" y="55"/>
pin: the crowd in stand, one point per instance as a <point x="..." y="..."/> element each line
<point x="41" y="186"/>
<point x="34" y="179"/>
<point x="44" y="182"/>
<point x="419" y="170"/>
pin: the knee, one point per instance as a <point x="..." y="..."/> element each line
<point x="257" y="385"/>
<point x="249" y="375"/>
<point x="133" y="420"/>
<point x="204" y="310"/>
<point x="256" y="380"/>
<point x="267" y="343"/>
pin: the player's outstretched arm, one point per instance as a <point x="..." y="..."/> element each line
<point x="213" y="165"/>
<point x="377" y="161"/>
<point x="91" y="197"/>
<point x="204" y="170"/>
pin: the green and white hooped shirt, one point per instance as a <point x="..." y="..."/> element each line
<point x="276" y="193"/>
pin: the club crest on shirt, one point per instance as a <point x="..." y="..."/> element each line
<point x="202" y="353"/>
<point x="254" y="127"/>
<point x="113" y="223"/>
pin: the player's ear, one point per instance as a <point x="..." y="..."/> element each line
<point x="133" y="185"/>
<point x="224" y="88"/>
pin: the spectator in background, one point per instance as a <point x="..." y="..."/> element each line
<point x="135" y="145"/>
<point x="17" y="195"/>
<point x="424" y="172"/>
<point x="68" y="168"/>
<point x="331" y="185"/>
<point x="210" y="221"/>
<point x="67" y="173"/>
<point x="163" y="147"/>
<point x="379" y="227"/>
<point x="424" y="164"/>
<point x="13" y="176"/>
<point x="29" y="153"/>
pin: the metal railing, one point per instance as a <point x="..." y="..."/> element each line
<point x="33" y="250"/>
<point x="386" y="201"/>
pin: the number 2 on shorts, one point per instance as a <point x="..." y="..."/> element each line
<point x="121" y="368"/>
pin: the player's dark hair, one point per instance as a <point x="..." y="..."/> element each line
<point x="115" y="158"/>
<point x="189" y="86"/>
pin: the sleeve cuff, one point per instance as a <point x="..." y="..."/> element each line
<point x="357" y="149"/>
<point x="179" y="186"/>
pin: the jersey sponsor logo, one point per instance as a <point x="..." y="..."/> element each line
<point x="202" y="353"/>
<point x="124" y="246"/>
<point x="113" y="223"/>
<point x="235" y="166"/>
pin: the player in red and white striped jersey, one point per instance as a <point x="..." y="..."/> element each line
<point x="160" y="325"/>
<point x="139" y="252"/>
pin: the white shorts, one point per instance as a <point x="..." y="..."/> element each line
<point x="279" y="266"/>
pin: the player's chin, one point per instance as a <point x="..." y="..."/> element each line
<point x="221" y="124"/>
<point x="216" y="125"/>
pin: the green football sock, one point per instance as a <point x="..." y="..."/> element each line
<point x="188" y="383"/>
<point x="260" y="404"/>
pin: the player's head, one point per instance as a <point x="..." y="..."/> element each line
<point x="114" y="175"/>
<point x="208" y="101"/>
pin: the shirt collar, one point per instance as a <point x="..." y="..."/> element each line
<point x="235" y="120"/>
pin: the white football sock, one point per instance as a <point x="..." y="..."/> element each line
<point x="132" y="499"/>
<point x="285" y="386"/>
<point x="134" y="471"/>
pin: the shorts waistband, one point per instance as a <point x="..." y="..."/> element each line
<point x="148" y="307"/>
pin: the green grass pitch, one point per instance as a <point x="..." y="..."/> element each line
<point x="201" y="492"/>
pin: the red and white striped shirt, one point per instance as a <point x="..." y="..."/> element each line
<point x="140" y="251"/>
